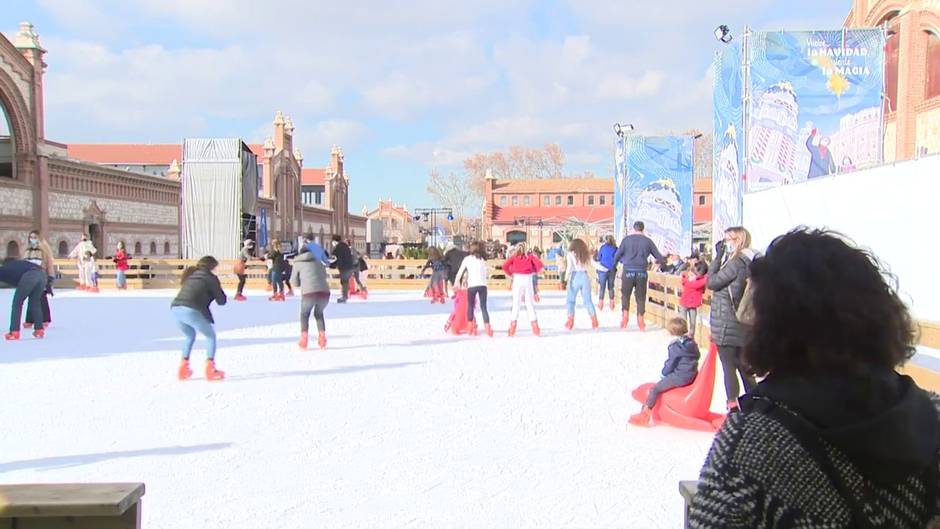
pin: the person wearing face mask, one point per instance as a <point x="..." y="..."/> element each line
<point x="39" y="253"/>
<point x="727" y="278"/>
<point x="81" y="249"/>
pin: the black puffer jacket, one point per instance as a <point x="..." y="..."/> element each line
<point x="727" y="285"/>
<point x="199" y="290"/>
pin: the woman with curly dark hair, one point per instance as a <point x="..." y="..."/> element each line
<point x="833" y="436"/>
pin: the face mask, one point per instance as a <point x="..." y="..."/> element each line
<point x="34" y="242"/>
<point x="729" y="247"/>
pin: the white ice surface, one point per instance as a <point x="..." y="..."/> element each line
<point x="395" y="425"/>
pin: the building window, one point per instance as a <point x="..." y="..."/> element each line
<point x="153" y="248"/>
<point x="603" y="200"/>
<point x="590" y="200"/>
<point x="701" y="200"/>
<point x="502" y="200"/>
<point x="63" y="249"/>
<point x="570" y="200"/>
<point x="557" y="200"/>
<point x="892" y="53"/>
<point x="933" y="65"/>
<point x="526" y="201"/>
<point x="515" y="201"/>
<point x="166" y="248"/>
<point x="13" y="250"/>
<point x="137" y="248"/>
<point x="547" y="201"/>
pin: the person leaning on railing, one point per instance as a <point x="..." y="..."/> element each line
<point x="833" y="436"/>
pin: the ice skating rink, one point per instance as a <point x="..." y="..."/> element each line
<point x="396" y="425"/>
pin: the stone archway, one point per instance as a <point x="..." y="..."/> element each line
<point x="94" y="225"/>
<point x="15" y="81"/>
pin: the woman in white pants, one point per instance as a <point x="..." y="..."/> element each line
<point x="78" y="253"/>
<point x="520" y="267"/>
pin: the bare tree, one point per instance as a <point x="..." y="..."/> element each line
<point x="454" y="191"/>
<point x="516" y="162"/>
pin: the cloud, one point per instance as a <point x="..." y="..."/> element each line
<point x="620" y="87"/>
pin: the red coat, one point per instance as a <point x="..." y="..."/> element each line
<point x="527" y="264"/>
<point x="692" y="291"/>
<point x="120" y="260"/>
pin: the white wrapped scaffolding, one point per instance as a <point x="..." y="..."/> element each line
<point x="220" y="182"/>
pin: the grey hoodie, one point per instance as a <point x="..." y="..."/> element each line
<point x="309" y="274"/>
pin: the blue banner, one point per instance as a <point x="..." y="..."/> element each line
<point x="727" y="151"/>
<point x="659" y="190"/>
<point x="815" y="106"/>
<point x="620" y="187"/>
<point x="262" y="227"/>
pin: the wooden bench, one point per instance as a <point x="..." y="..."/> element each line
<point x="73" y="506"/>
<point x="688" y="489"/>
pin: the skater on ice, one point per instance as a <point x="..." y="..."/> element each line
<point x="519" y="268"/>
<point x="437" y="286"/>
<point x="535" y="277"/>
<point x="679" y="370"/>
<point x="606" y="271"/>
<point x="39" y="253"/>
<point x="276" y="274"/>
<point x="241" y="266"/>
<point x="477" y="272"/>
<point x="198" y="289"/>
<point x="693" y="293"/>
<point x="29" y="280"/>
<point x="634" y="253"/>
<point x="345" y="264"/>
<point x="120" y="260"/>
<point x="579" y="282"/>
<point x="78" y="253"/>
<point x="454" y="257"/>
<point x="91" y="272"/>
<point x="310" y="275"/>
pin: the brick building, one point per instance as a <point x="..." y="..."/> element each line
<point x="131" y="193"/>
<point x="912" y="72"/>
<point x="398" y="225"/>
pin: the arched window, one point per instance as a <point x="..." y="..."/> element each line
<point x="63" y="249"/>
<point x="515" y="236"/>
<point x="166" y="248"/>
<point x="137" y="248"/>
<point x="892" y="52"/>
<point x="933" y="65"/>
<point x="13" y="249"/>
<point x="153" y="248"/>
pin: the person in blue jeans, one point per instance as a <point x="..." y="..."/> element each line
<point x="579" y="261"/>
<point x="199" y="288"/>
<point x="607" y="270"/>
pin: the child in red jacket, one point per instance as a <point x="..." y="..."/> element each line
<point x="693" y="289"/>
<point x="521" y="267"/>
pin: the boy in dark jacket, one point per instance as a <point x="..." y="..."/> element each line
<point x="680" y="368"/>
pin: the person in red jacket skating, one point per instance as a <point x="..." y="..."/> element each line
<point x="120" y="264"/>
<point x="520" y="267"/>
<point x="693" y="289"/>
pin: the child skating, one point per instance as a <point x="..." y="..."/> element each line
<point x="680" y="369"/>
<point x="310" y="276"/>
<point x="474" y="265"/>
<point x="437" y="287"/>
<point x="91" y="272"/>
<point x="693" y="291"/>
<point x="198" y="289"/>
<point x="520" y="267"/>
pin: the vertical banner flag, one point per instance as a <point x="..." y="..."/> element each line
<point x="659" y="190"/>
<point x="262" y="227"/>
<point x="727" y="149"/>
<point x="815" y="106"/>
<point x="620" y="187"/>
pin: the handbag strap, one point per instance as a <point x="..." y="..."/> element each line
<point x="808" y="438"/>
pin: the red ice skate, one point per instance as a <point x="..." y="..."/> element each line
<point x="600" y="304"/>
<point x="570" y="323"/>
<point x="472" y="328"/>
<point x="212" y="373"/>
<point x="302" y="343"/>
<point x="536" y="297"/>
<point x="321" y="340"/>
<point x="39" y="334"/>
<point x="625" y="321"/>
<point x="240" y="297"/>
<point x="642" y="418"/>
<point x="512" y="328"/>
<point x="535" y="329"/>
<point x="184" y="371"/>
<point x="489" y="330"/>
<point x="12" y="335"/>
<point x="594" y="323"/>
<point x="640" y="322"/>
